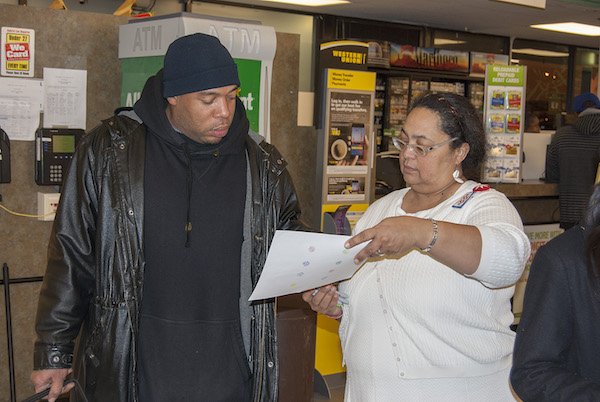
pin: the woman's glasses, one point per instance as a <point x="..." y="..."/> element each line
<point x="418" y="150"/>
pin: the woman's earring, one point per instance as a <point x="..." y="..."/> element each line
<point x="456" y="176"/>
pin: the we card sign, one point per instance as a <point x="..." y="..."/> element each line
<point x="17" y="52"/>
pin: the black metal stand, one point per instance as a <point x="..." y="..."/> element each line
<point x="6" y="281"/>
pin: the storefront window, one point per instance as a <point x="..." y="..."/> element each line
<point x="465" y="41"/>
<point x="585" y="74"/>
<point x="547" y="80"/>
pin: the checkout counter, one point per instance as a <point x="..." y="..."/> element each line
<point x="535" y="200"/>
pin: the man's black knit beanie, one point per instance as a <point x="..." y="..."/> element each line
<point x="197" y="62"/>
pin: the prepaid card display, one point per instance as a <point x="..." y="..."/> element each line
<point x="300" y="261"/>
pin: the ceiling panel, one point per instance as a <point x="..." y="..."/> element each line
<point x="475" y="16"/>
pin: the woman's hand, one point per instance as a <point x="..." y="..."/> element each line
<point x="457" y="246"/>
<point x="325" y="301"/>
<point x="392" y="236"/>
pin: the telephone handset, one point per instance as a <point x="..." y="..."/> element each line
<point x="4" y="157"/>
<point x="54" y="149"/>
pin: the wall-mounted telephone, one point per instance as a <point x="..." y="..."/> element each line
<point x="54" y="148"/>
<point x="4" y="157"/>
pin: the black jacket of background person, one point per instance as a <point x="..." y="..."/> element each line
<point x="556" y="356"/>
<point x="95" y="269"/>
<point x="572" y="161"/>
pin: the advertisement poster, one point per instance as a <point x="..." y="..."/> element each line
<point x="349" y="124"/>
<point x="480" y="60"/>
<point x="18" y="52"/>
<point x="341" y="188"/>
<point x="504" y="114"/>
<point x="538" y="236"/>
<point x="344" y="54"/>
<point x="379" y="54"/>
<point x="346" y="137"/>
<point x="429" y="58"/>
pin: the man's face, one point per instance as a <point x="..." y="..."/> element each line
<point x="203" y="116"/>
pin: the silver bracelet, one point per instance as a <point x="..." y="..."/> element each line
<point x="434" y="238"/>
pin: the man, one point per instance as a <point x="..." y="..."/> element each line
<point x="165" y="220"/>
<point x="572" y="159"/>
<point x="532" y="123"/>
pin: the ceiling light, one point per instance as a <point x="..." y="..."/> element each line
<point x="540" y="52"/>
<point x="529" y="3"/>
<point x="572" y="28"/>
<point x="442" y="41"/>
<point x="311" y="3"/>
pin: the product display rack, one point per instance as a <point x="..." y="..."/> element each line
<point x="395" y="90"/>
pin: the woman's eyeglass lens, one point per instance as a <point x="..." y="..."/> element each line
<point x="419" y="150"/>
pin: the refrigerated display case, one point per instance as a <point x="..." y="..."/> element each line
<point x="378" y="110"/>
<point x="398" y="95"/>
<point x="476" y="95"/>
<point x="399" y="89"/>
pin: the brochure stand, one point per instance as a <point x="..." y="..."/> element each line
<point x="504" y="121"/>
<point x="346" y="142"/>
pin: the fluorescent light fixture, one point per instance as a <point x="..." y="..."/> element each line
<point x="540" y="52"/>
<point x="311" y="3"/>
<point x="572" y="28"/>
<point x="443" y="41"/>
<point x="528" y="3"/>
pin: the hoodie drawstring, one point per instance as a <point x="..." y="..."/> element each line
<point x="190" y="180"/>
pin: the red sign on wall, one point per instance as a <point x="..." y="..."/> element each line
<point x="17" y="52"/>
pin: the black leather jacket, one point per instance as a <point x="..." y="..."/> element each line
<point x="95" y="269"/>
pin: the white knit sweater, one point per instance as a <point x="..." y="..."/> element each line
<point x="437" y="322"/>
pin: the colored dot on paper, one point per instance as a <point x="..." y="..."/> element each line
<point x="338" y="263"/>
<point x="300" y="273"/>
<point x="306" y="263"/>
<point x="292" y="285"/>
<point x="311" y="249"/>
<point x="323" y="278"/>
<point x="331" y="270"/>
<point x="345" y="251"/>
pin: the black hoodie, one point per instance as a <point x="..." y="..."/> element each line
<point x="190" y="341"/>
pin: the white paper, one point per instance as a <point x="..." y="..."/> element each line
<point x="64" y="98"/>
<point x="299" y="261"/>
<point x="20" y="106"/>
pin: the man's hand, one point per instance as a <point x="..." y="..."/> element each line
<point x="53" y="378"/>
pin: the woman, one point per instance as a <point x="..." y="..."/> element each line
<point x="428" y="315"/>
<point x="556" y="355"/>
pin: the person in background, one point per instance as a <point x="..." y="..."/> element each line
<point x="532" y="123"/>
<point x="556" y="356"/>
<point x="572" y="159"/>
<point x="429" y="313"/>
<point x="163" y="227"/>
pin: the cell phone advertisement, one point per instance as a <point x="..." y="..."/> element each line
<point x="345" y="188"/>
<point x="348" y="144"/>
